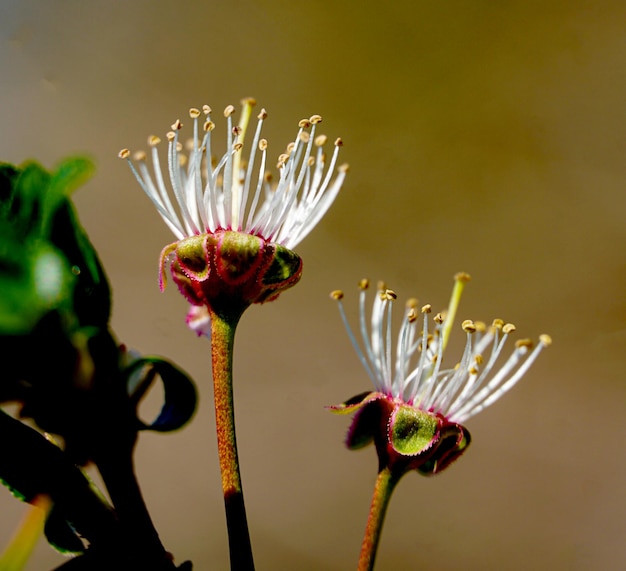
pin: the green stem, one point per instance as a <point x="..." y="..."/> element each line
<point x="385" y="484"/>
<point x="222" y="342"/>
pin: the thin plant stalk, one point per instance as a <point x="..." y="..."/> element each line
<point x="222" y="342"/>
<point x="385" y="483"/>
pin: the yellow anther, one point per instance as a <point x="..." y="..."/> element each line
<point x="481" y="327"/>
<point x="411" y="315"/>
<point x="364" y="284"/>
<point x="338" y="142"/>
<point x="237" y="147"/>
<point x="124" y="154"/>
<point x="473" y="371"/>
<point x="497" y="323"/>
<point x="139" y="156"/>
<point x="206" y="109"/>
<point x="478" y="359"/>
<point x="315" y="119"/>
<point x="427" y="308"/>
<point x="229" y="110"/>
<point x="336" y="294"/>
<point x="208" y="126"/>
<point x="462" y="277"/>
<point x="304" y="136"/>
<point x="524" y="343"/>
<point x="153" y="140"/>
<point x="468" y="326"/>
<point x="194" y="113"/>
<point x="179" y="147"/>
<point x="262" y="115"/>
<point x="508" y="328"/>
<point x="411" y="303"/>
<point x="177" y="125"/>
<point x="320" y="140"/>
<point x="390" y="295"/>
<point x="438" y="318"/>
<point x="545" y="339"/>
<point x="345" y="167"/>
<point x="310" y="161"/>
<point x="290" y="148"/>
<point x="381" y="286"/>
<point x="262" y="144"/>
<point x="304" y="123"/>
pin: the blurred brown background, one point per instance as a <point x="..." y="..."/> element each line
<point x="482" y="136"/>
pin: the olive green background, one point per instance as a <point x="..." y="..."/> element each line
<point x="482" y="136"/>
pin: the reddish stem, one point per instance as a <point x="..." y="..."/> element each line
<point x="222" y="342"/>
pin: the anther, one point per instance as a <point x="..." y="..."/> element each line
<point x="262" y="144"/>
<point x="208" y="126"/>
<point x="468" y="326"/>
<point x="473" y="371"/>
<point x="290" y="148"/>
<point x="177" y="125"/>
<point x="248" y="101"/>
<point x="481" y="327"/>
<point x="427" y="308"/>
<point x="438" y="318"/>
<point x="478" y="359"/>
<point x="206" y="109"/>
<point x="153" y="140"/>
<point x="545" y="339"/>
<point x="139" y="156"/>
<point x="304" y="123"/>
<point x="524" y="343"/>
<point x="310" y="161"/>
<point x="508" y="328"/>
<point x="411" y="315"/>
<point x="411" y="303"/>
<point x="345" y="167"/>
<point x="390" y="295"/>
<point x="336" y="294"/>
<point x="194" y="113"/>
<point x="229" y="110"/>
<point x="237" y="130"/>
<point x="364" y="284"/>
<point x="320" y="140"/>
<point x="338" y="142"/>
<point x="170" y="136"/>
<point x="462" y="277"/>
<point x="381" y="286"/>
<point x="238" y="147"/>
<point x="262" y="115"/>
<point x="315" y="119"/>
<point x="497" y="323"/>
<point x="304" y="136"/>
<point x="124" y="154"/>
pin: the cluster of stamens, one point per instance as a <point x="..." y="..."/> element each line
<point x="207" y="194"/>
<point x="413" y="374"/>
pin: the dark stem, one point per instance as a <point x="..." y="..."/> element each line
<point x="385" y="484"/>
<point x="222" y="343"/>
<point x="144" y="549"/>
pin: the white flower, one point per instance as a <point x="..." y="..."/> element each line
<point x="413" y="375"/>
<point x="231" y="193"/>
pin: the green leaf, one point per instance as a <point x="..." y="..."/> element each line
<point x="30" y="465"/>
<point x="180" y="395"/>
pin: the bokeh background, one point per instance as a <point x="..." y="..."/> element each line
<point x="482" y="136"/>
